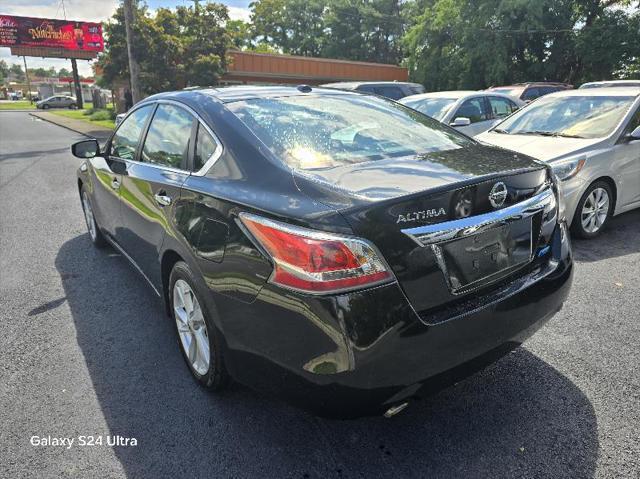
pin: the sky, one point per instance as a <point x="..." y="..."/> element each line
<point x="87" y="10"/>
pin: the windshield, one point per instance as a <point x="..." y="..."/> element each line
<point x="434" y="107"/>
<point x="571" y="116"/>
<point x="515" y="91"/>
<point x="311" y="132"/>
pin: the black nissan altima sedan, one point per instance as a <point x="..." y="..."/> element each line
<point x="334" y="248"/>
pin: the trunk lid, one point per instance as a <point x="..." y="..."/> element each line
<point x="382" y="200"/>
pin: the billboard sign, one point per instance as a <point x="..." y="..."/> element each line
<point x="44" y="33"/>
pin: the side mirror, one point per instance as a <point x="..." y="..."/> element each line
<point x="461" y="121"/>
<point x="85" y="149"/>
<point x="634" y="135"/>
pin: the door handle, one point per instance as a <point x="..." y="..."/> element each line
<point x="115" y="184"/>
<point x="162" y="199"/>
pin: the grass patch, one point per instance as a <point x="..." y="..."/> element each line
<point x="104" y="118"/>
<point x="17" y="105"/>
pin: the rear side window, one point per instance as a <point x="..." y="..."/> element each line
<point x="474" y="109"/>
<point x="392" y="92"/>
<point x="366" y="89"/>
<point x="126" y="138"/>
<point x="532" y="94"/>
<point x="167" y="142"/>
<point x="205" y="148"/>
<point x="501" y="107"/>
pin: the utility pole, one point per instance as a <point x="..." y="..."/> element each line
<point x="76" y="82"/>
<point x="134" y="68"/>
<point x="26" y="73"/>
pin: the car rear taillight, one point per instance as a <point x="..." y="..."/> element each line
<point x="314" y="261"/>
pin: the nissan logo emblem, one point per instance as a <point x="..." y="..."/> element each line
<point x="498" y="194"/>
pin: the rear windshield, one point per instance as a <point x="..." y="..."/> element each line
<point x="311" y="132"/>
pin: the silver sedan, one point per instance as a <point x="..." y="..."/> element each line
<point x="57" y="101"/>
<point x="591" y="138"/>
<point x="470" y="112"/>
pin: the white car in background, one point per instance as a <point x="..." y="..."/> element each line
<point x="470" y="112"/>
<point x="591" y="138"/>
<point x="611" y="84"/>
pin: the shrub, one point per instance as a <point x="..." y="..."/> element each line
<point x="100" y="115"/>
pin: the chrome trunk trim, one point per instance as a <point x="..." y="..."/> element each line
<point x="436" y="233"/>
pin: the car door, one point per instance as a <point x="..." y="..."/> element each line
<point x="625" y="157"/>
<point x="476" y="110"/>
<point x="151" y="185"/>
<point x="107" y="169"/>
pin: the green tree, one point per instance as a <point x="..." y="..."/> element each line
<point x="295" y="27"/>
<point x="205" y="41"/>
<point x="366" y="30"/>
<point x="17" y="70"/>
<point x="454" y="44"/>
<point x="240" y="33"/>
<point x="4" y="70"/>
<point x="177" y="48"/>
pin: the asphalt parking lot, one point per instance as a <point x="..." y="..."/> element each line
<point x="86" y="350"/>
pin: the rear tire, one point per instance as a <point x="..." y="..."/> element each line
<point x="198" y="337"/>
<point x="96" y="236"/>
<point x="593" y="211"/>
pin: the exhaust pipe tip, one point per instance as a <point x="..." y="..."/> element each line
<point x="393" y="410"/>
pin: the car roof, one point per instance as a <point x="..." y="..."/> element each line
<point x="612" y="82"/>
<point x="245" y="92"/>
<point x="455" y="94"/>
<point x="534" y="83"/>
<point x="360" y="83"/>
<point x="630" y="91"/>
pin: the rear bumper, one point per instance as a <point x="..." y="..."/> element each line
<point x="361" y="353"/>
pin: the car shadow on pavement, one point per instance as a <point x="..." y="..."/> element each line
<point x="518" y="418"/>
<point x="620" y="238"/>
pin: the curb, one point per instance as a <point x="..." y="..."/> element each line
<point x="49" y="120"/>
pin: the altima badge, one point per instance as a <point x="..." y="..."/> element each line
<point x="498" y="194"/>
<point x="421" y="215"/>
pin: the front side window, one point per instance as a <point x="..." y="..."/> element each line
<point x="205" y="148"/>
<point x="569" y="116"/>
<point x="434" y="107"/>
<point x="126" y="138"/>
<point x="501" y="107"/>
<point x="167" y="142"/>
<point x="473" y="109"/>
<point x="323" y="131"/>
<point x="633" y="123"/>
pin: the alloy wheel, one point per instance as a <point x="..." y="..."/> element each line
<point x="88" y="217"/>
<point x="191" y="325"/>
<point x="595" y="210"/>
